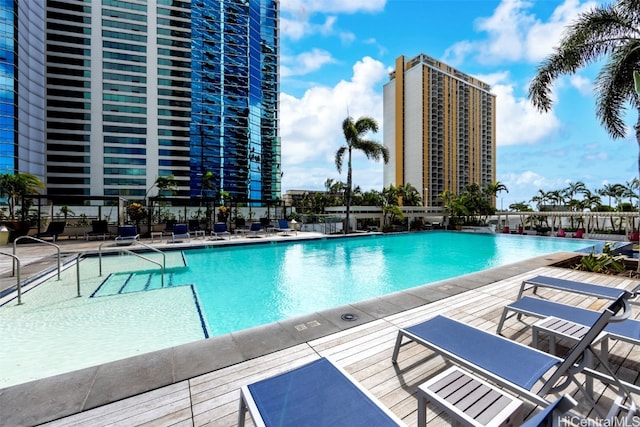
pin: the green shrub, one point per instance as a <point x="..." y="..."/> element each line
<point x="606" y="262"/>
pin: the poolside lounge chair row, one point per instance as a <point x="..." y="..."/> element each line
<point x="183" y="231"/>
<point x="297" y="396"/>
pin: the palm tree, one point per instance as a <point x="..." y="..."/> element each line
<point x="611" y="33"/>
<point x="390" y="209"/>
<point x="354" y="133"/>
<point x="573" y="189"/>
<point x="166" y="184"/>
<point x="15" y="186"/>
<point x="492" y="189"/>
<point x="410" y="195"/>
<point x="609" y="190"/>
<point x="540" y="199"/>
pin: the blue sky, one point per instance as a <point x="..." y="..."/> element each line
<point x="336" y="56"/>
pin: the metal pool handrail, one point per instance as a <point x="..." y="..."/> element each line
<point x="125" y="250"/>
<point x="40" y="241"/>
<point x="16" y="260"/>
<point x="162" y="266"/>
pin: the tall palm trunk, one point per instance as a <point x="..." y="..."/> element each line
<point x="348" y="193"/>
<point x="637" y="129"/>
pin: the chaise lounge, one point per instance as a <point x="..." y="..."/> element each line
<point x="256" y="229"/>
<point x="319" y="394"/>
<point x="220" y="230"/>
<point x="515" y="366"/>
<point x="180" y="231"/>
<point x="99" y="229"/>
<point x="583" y="288"/>
<point x="127" y="234"/>
<point x="627" y="330"/>
<point x="283" y="227"/>
<point x="54" y="229"/>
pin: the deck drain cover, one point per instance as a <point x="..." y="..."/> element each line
<point x="349" y="317"/>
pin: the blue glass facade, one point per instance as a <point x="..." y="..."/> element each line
<point x="161" y="88"/>
<point x="8" y="92"/>
<point x="234" y="127"/>
<point x="22" y="77"/>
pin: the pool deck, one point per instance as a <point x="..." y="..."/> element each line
<point x="198" y="383"/>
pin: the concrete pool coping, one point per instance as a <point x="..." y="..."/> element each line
<point x="51" y="398"/>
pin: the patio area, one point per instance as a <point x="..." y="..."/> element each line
<point x="198" y="384"/>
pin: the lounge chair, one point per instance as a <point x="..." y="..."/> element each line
<point x="168" y="226"/>
<point x="220" y="230"/>
<point x="54" y="229"/>
<point x="255" y="230"/>
<point x="626" y="330"/>
<point x="579" y="233"/>
<point x="283" y="227"/>
<point x="240" y="226"/>
<point x="515" y="366"/>
<point x="180" y="231"/>
<point x="99" y="229"/>
<point x="127" y="234"/>
<point x="194" y="225"/>
<point x="561" y="233"/>
<point x="593" y="290"/>
<point x="318" y="394"/>
<point x="194" y="228"/>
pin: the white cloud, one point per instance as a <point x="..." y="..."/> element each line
<point x="514" y="34"/>
<point x="311" y="126"/>
<point x="583" y="84"/>
<point x="373" y="42"/>
<point x="528" y="178"/>
<point x="297" y="29"/>
<point x="523" y="186"/>
<point x="304" y="63"/>
<point x="347" y="38"/>
<point x="293" y="28"/>
<point x="517" y="121"/>
<point x="307" y="7"/>
<point x="296" y="16"/>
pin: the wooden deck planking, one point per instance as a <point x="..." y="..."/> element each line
<point x="171" y="404"/>
<point x="216" y="396"/>
<point x="365" y="352"/>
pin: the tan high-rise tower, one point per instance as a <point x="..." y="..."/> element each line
<point x="440" y="128"/>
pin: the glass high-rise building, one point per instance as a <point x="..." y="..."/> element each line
<point x="138" y="90"/>
<point x="440" y="128"/>
<point x="22" y="87"/>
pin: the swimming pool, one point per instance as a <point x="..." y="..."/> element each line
<point x="216" y="290"/>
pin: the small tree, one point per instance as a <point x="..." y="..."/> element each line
<point x="136" y="213"/>
<point x="66" y="211"/>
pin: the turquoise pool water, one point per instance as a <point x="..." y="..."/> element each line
<point x="128" y="310"/>
<point x="246" y="286"/>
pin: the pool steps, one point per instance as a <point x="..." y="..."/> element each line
<point x="116" y="284"/>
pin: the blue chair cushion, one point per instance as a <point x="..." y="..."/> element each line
<point x="502" y="357"/>
<point x="316" y="394"/>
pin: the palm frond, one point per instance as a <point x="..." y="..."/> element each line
<point x="596" y="33"/>
<point x="372" y="149"/>
<point x="614" y="87"/>
<point x="366" y="124"/>
<point x="340" y="158"/>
